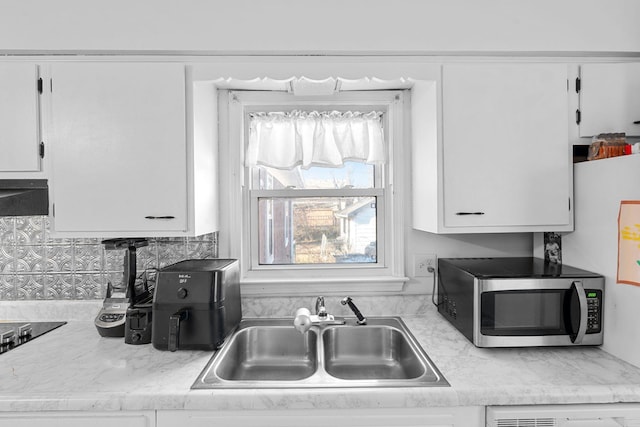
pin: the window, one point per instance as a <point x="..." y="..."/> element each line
<point x="327" y="225"/>
<point x="321" y="221"/>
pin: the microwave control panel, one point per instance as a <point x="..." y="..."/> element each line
<point x="594" y="310"/>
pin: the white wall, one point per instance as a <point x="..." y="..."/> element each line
<point x="463" y="245"/>
<point x="599" y="187"/>
<point x="328" y="26"/>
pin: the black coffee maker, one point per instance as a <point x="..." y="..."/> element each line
<point x="127" y="310"/>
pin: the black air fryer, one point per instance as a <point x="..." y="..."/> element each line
<point x="196" y="304"/>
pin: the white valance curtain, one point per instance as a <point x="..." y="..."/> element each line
<point x="285" y="140"/>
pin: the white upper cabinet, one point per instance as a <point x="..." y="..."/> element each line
<point x="126" y="138"/>
<point x="19" y="117"/>
<point x="610" y="99"/>
<point x="504" y="161"/>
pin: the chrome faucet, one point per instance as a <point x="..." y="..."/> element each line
<point x="321" y="310"/>
<point x="348" y="301"/>
<point x="303" y="319"/>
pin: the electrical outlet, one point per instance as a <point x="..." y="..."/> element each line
<point x="422" y="263"/>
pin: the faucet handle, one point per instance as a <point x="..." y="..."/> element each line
<point x="348" y="301"/>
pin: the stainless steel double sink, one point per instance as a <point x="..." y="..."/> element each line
<point x="270" y="353"/>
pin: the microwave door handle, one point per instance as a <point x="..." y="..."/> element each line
<point x="582" y="299"/>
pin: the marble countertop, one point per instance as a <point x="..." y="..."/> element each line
<point x="73" y="368"/>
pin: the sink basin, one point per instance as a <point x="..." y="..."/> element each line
<point x="371" y="352"/>
<point x="271" y="353"/>
<point x="268" y="354"/>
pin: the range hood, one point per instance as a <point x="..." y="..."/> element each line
<point x="24" y="197"/>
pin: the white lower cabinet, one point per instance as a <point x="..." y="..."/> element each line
<point x="78" y="419"/>
<point x="409" y="417"/>
<point x="581" y="415"/>
<point x="595" y="415"/>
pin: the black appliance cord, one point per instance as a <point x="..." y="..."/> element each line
<point x="433" y="289"/>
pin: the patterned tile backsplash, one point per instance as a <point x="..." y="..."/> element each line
<point x="34" y="266"/>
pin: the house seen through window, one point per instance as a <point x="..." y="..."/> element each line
<point x="330" y="227"/>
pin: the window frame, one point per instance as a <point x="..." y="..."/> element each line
<point x="387" y="274"/>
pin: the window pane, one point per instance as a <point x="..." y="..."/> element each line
<point x="321" y="230"/>
<point x="351" y="175"/>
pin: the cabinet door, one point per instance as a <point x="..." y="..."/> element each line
<point x="19" y="118"/>
<point x="379" y="417"/>
<point x="77" y="419"/>
<point x="610" y="99"/>
<point x="119" y="161"/>
<point x="505" y="146"/>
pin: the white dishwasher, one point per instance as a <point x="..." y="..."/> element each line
<point x="589" y="415"/>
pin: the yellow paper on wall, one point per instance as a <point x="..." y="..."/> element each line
<point x="629" y="242"/>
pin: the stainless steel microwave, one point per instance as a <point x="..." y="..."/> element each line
<point x="521" y="302"/>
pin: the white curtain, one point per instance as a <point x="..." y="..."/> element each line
<point x="285" y="140"/>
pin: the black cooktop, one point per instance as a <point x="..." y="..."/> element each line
<point x="516" y="267"/>
<point x="14" y="334"/>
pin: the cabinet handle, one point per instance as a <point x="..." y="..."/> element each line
<point x="469" y="213"/>
<point x="637" y="122"/>
<point x="160" y="217"/>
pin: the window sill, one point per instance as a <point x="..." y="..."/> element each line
<point x="378" y="285"/>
